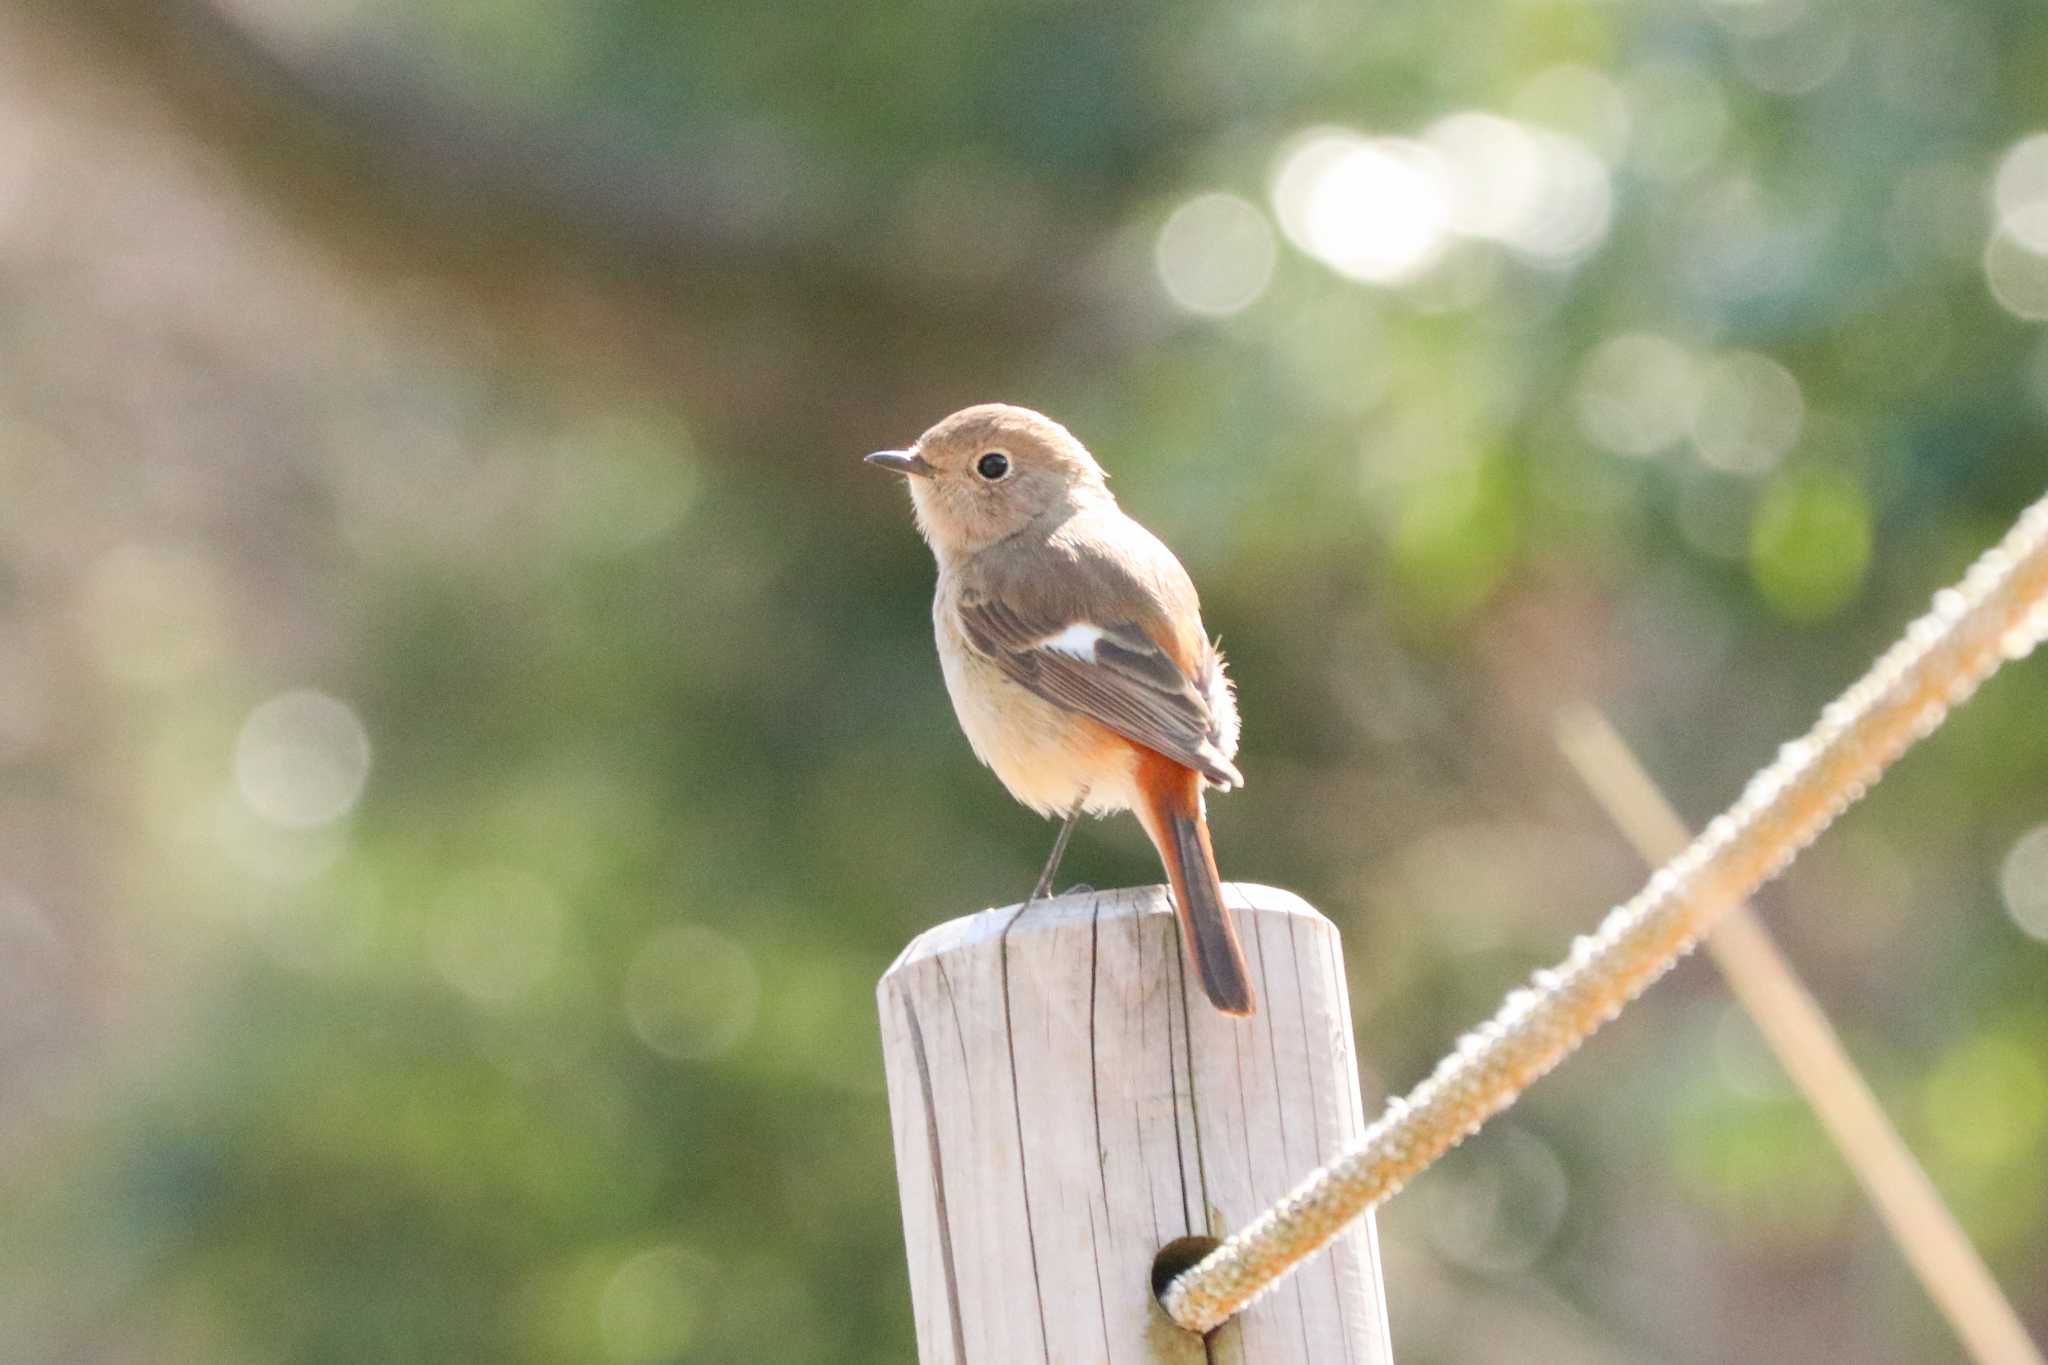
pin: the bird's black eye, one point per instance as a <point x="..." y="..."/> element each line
<point x="993" y="465"/>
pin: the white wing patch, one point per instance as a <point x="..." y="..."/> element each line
<point x="1076" y="641"/>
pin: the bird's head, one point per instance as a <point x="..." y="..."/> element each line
<point x="988" y="471"/>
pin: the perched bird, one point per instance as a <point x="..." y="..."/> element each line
<point x="1074" y="652"/>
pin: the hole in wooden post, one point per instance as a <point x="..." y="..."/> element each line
<point x="1176" y="1256"/>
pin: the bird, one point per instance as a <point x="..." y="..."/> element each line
<point x="1072" y="646"/>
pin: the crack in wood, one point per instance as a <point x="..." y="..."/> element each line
<point x="931" y="1122"/>
<point x="1017" y="1108"/>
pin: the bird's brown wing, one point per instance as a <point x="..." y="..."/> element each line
<point x="1113" y="672"/>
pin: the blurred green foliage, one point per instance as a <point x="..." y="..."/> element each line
<point x="555" y="1041"/>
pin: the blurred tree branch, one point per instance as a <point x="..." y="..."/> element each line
<point x="605" y="260"/>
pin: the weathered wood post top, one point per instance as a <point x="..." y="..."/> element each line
<point x="1066" y="1103"/>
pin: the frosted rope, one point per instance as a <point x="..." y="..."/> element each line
<point x="1998" y="612"/>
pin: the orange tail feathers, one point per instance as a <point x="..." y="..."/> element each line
<point x="1172" y="816"/>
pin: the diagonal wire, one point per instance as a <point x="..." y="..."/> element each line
<point x="1792" y="1022"/>
<point x="1998" y="612"/>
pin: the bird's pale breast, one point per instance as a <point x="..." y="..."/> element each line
<point x="1045" y="755"/>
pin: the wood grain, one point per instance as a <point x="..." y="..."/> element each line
<point x="1066" y="1102"/>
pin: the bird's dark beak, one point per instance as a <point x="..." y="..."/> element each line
<point x="902" y="461"/>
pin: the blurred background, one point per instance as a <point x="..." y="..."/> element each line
<point x="469" y="732"/>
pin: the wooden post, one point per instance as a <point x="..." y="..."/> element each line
<point x="1066" y="1103"/>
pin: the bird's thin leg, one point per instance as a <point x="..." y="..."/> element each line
<point x="1059" y="851"/>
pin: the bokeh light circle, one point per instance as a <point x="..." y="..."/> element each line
<point x="2023" y="882"/>
<point x="498" y="934"/>
<point x="1373" y="209"/>
<point x="2016" y="262"/>
<point x="302" y="759"/>
<point x="654" y="1304"/>
<point x="1637" y="394"/>
<point x="691" y="992"/>
<point x="1496" y="171"/>
<point x="1215" y="255"/>
<point x="1680" y="119"/>
<point x="2021" y="180"/>
<point x="1749" y="415"/>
